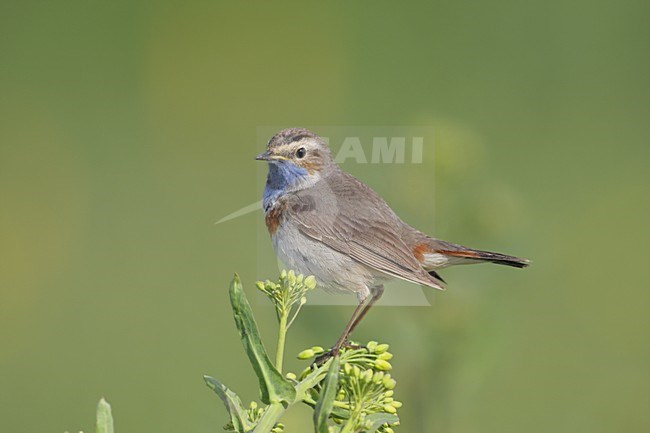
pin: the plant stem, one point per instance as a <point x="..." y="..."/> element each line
<point x="270" y="418"/>
<point x="275" y="410"/>
<point x="350" y="425"/>
<point x="282" y="335"/>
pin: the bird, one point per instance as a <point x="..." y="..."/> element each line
<point x="324" y="222"/>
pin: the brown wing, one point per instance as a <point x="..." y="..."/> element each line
<point x="349" y="217"/>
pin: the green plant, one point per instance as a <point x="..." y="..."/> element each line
<point x="352" y="392"/>
<point x="104" y="417"/>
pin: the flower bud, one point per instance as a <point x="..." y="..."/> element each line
<point x="388" y="430"/>
<point x="389" y="393"/>
<point x="305" y="372"/>
<point x="291" y="376"/>
<point x="310" y="282"/>
<point x="381" y="348"/>
<point x="389" y="409"/>
<point x="385" y="356"/>
<point x="253" y="405"/>
<point x="291" y="277"/>
<point x="367" y="376"/>
<point x="396" y="404"/>
<point x="380" y="364"/>
<point x="378" y="377"/>
<point x="283" y="274"/>
<point x="356" y="371"/>
<point x="260" y="285"/>
<point x="306" y="354"/>
<point x="371" y="346"/>
<point x="389" y="383"/>
<point x="347" y="368"/>
<point x="318" y="349"/>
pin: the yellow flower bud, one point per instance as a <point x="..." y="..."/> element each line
<point x="389" y="383"/>
<point x="367" y="376"/>
<point x="381" y="348"/>
<point x="396" y="404"/>
<point x="385" y="356"/>
<point x="371" y="346"/>
<point x="380" y="364"/>
<point x="306" y="354"/>
<point x="310" y="282"/>
<point x="291" y="376"/>
<point x="390" y="409"/>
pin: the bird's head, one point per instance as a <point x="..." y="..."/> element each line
<point x="297" y="159"/>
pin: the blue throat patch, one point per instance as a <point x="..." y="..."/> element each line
<point x="282" y="176"/>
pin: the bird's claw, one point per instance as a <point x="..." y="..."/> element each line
<point x="326" y="356"/>
<point x="334" y="351"/>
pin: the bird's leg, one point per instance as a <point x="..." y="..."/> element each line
<point x="348" y="328"/>
<point x="359" y="313"/>
<point x="376" y="294"/>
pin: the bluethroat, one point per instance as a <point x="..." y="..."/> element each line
<point x="326" y="223"/>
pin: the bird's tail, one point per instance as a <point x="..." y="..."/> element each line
<point x="441" y="254"/>
<point x="469" y="255"/>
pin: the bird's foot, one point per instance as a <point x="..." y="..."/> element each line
<point x="334" y="351"/>
<point x="326" y="356"/>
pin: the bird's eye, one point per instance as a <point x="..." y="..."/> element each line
<point x="300" y="153"/>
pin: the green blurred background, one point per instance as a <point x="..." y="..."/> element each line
<point x="128" y="128"/>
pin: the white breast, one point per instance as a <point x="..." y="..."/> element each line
<point x="333" y="271"/>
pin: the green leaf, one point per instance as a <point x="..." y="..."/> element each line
<point x="379" y="419"/>
<point x="310" y="381"/>
<point x="273" y="387"/>
<point x="233" y="404"/>
<point x="104" y="417"/>
<point x="328" y="394"/>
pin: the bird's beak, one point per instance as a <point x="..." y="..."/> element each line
<point x="264" y="156"/>
<point x="268" y="156"/>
